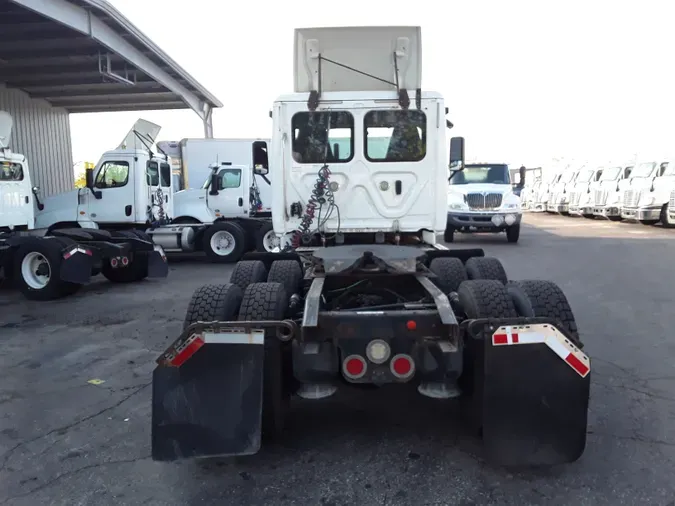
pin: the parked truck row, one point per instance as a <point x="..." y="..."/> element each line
<point x="641" y="192"/>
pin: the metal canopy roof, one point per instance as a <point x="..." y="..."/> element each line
<point x="85" y="56"/>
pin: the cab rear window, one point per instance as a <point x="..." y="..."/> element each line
<point x="11" y="171"/>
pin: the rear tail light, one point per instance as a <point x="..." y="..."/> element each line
<point x="354" y="367"/>
<point x="114" y="263"/>
<point x="402" y="366"/>
<point x="125" y="261"/>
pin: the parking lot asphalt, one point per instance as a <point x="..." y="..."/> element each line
<point x="75" y="397"/>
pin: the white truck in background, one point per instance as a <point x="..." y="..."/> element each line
<point x="131" y="188"/>
<point x="609" y="192"/>
<point x="481" y="199"/>
<point x="195" y="157"/>
<point x="647" y="200"/>
<point x="582" y="192"/>
<point x="543" y="194"/>
<point x="558" y="201"/>
<point x="48" y="263"/>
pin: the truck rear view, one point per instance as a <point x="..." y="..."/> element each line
<point x="365" y="295"/>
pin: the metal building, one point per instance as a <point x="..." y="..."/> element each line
<point x="66" y="56"/>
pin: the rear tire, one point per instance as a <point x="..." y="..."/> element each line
<point x="486" y="268"/>
<point x="268" y="301"/>
<point x="213" y="303"/>
<point x="450" y="273"/>
<point x="35" y="257"/>
<point x="481" y="298"/>
<point x="263" y="242"/>
<point x="544" y="299"/>
<point x="224" y="242"/>
<point x="665" y="220"/>
<point x="247" y="272"/>
<point x="288" y="273"/>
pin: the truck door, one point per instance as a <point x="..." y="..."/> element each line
<point x="114" y="184"/>
<point x="232" y="195"/>
<point x="16" y="202"/>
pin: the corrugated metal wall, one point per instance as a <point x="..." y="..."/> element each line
<point x="41" y="133"/>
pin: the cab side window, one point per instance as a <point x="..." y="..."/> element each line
<point x="112" y="175"/>
<point x="229" y="178"/>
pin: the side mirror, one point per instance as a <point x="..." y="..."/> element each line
<point x="261" y="170"/>
<point x="89" y="183"/>
<point x="261" y="165"/>
<point x="35" y="189"/>
<point x="89" y="178"/>
<point x="456" y="154"/>
<point x="215" y="184"/>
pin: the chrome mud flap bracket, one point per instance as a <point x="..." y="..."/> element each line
<point x="207" y="390"/>
<point x="529" y="391"/>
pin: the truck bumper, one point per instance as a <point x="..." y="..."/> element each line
<point x="641" y="213"/>
<point x="483" y="222"/>
<point x="581" y="210"/>
<point x="609" y="211"/>
<point x="557" y="208"/>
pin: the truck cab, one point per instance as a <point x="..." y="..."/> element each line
<point x="17" y="208"/>
<point x="581" y="192"/>
<point x="128" y="186"/>
<point x="352" y="160"/>
<point x="481" y="198"/>
<point x="647" y="198"/>
<point x="558" y="201"/>
<point x="609" y="192"/>
<point x="540" y="200"/>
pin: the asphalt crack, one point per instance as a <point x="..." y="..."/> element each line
<point x="8" y="454"/>
<point x="58" y="477"/>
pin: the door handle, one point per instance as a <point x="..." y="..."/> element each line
<point x="166" y="198"/>
<point x="26" y="199"/>
<point x="241" y="202"/>
<point x="398" y="186"/>
<point x="127" y="210"/>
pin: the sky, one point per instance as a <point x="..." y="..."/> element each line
<point x="524" y="81"/>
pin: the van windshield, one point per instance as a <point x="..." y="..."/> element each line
<point x="481" y="174"/>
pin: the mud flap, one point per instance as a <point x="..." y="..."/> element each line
<point x="532" y="390"/>
<point x="158" y="266"/>
<point x="77" y="265"/>
<point x="207" y="397"/>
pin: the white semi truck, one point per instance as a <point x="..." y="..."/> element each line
<point x="365" y="295"/>
<point x="581" y="193"/>
<point x="647" y="200"/>
<point x="482" y="199"/>
<point x="48" y="263"/>
<point x="608" y="195"/>
<point x="558" y="201"/>
<point x="131" y="188"/>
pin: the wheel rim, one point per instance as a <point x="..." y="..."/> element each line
<point x="271" y="242"/>
<point x="222" y="243"/>
<point x="35" y="270"/>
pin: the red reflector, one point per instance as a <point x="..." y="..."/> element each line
<point x="401" y="366"/>
<point x="186" y="353"/>
<point x="354" y="367"/>
<point x="412" y="325"/>
<point x="577" y="364"/>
